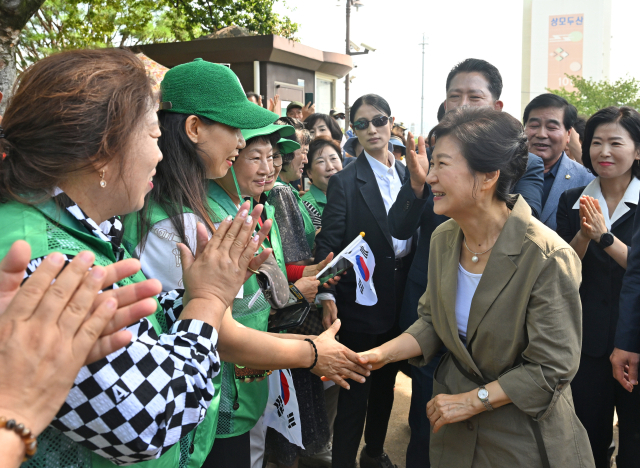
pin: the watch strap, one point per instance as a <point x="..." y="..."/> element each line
<point x="485" y="401"/>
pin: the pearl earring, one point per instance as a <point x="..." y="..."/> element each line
<point x="103" y="183"/>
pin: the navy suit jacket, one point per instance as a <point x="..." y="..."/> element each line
<point x="570" y="175"/>
<point x="628" y="329"/>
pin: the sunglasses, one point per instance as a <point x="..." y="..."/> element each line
<point x="363" y="124"/>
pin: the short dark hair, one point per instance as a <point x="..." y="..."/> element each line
<point x="627" y="117"/>
<point x="251" y="94"/>
<point x="490" y="140"/>
<point x="317" y="146"/>
<point x="331" y="123"/>
<point x="491" y="74"/>
<point x="545" y="100"/>
<point x="373" y="100"/>
<point x="441" y="111"/>
<point x="581" y="122"/>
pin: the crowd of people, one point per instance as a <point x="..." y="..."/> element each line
<point x="152" y="245"/>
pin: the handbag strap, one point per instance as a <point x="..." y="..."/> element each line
<point x="537" y="433"/>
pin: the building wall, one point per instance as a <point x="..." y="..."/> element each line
<point x="571" y="36"/>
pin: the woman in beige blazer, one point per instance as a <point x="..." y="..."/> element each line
<point x="502" y="296"/>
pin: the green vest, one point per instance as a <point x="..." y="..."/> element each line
<point x="315" y="197"/>
<point x="49" y="229"/>
<point x="194" y="447"/>
<point x="309" y="230"/>
<point x="241" y="404"/>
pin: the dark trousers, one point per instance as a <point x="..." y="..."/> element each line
<point x="421" y="392"/>
<point x="232" y="452"/>
<point x="595" y="395"/>
<point x="371" y="401"/>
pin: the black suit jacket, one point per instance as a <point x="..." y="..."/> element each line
<point x="628" y="330"/>
<point x="601" y="276"/>
<point x="354" y="205"/>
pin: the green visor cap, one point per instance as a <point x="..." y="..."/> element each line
<point x="288" y="146"/>
<point x="212" y="91"/>
<point x="282" y="130"/>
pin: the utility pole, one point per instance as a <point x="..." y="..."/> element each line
<point x="423" y="43"/>
<point x="347" y="108"/>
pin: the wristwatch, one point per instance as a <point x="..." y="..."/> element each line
<point x="606" y="240"/>
<point x="483" y="394"/>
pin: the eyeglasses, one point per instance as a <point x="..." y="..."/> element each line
<point x="363" y="124"/>
<point x="277" y="160"/>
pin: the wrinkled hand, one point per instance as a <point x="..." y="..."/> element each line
<point x="337" y="362"/>
<point x="220" y="265"/>
<point x="329" y="313"/>
<point x="446" y="409"/>
<point x="135" y="301"/>
<point x="593" y="224"/>
<point x="47" y="333"/>
<point x="308" y="110"/>
<point x="308" y="286"/>
<point x="625" y="368"/>
<point x="417" y="163"/>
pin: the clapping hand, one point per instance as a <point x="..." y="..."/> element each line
<point x="223" y="263"/>
<point x="135" y="301"/>
<point x="417" y="163"/>
<point x="592" y="220"/>
<point x="50" y="329"/>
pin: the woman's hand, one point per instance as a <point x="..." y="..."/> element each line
<point x="47" y="333"/>
<point x="135" y="301"/>
<point x="593" y="224"/>
<point x="418" y="164"/>
<point x="220" y="265"/>
<point x="313" y="270"/>
<point x="446" y="409"/>
<point x="308" y="286"/>
<point x="375" y="358"/>
<point x="329" y="313"/>
<point x="337" y="362"/>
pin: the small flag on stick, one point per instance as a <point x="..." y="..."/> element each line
<point x="360" y="255"/>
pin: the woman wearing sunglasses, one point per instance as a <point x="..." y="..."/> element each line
<point x="358" y="199"/>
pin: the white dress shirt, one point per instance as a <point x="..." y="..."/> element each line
<point x="389" y="183"/>
<point x="630" y="196"/>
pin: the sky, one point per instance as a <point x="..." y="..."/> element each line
<point x="455" y="30"/>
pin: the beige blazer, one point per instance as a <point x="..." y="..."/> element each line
<point x="525" y="330"/>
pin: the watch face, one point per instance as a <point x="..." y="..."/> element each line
<point x="606" y="240"/>
<point x="483" y="393"/>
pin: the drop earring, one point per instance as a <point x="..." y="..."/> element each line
<point x="103" y="183"/>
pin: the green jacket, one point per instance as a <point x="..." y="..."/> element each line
<point x="48" y="229"/>
<point x="241" y="404"/>
<point x="316" y="197"/>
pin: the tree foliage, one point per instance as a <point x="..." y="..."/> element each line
<point x="75" y="24"/>
<point x="591" y="95"/>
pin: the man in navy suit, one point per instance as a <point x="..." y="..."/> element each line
<point x="472" y="82"/>
<point x="549" y="121"/>
<point x="626" y="354"/>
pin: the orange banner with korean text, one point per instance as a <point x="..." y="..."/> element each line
<point x="565" y="49"/>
